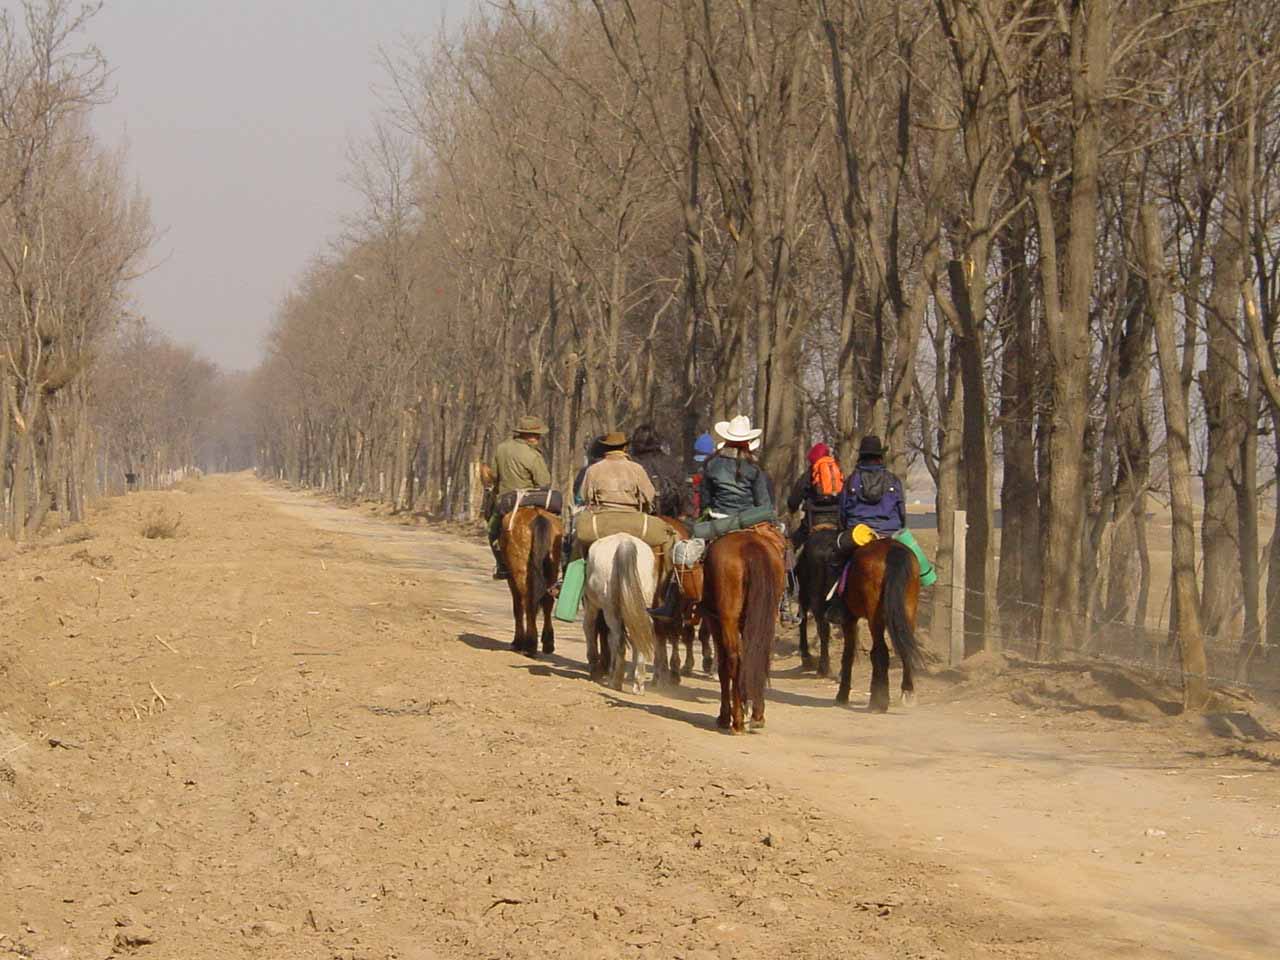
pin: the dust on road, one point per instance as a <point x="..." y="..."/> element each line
<point x="297" y="731"/>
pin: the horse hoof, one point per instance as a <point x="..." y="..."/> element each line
<point x="879" y="703"/>
<point x="908" y="698"/>
<point x="724" y="723"/>
<point x="806" y="662"/>
<point x="637" y="689"/>
<point x="708" y="665"/>
<point x="842" y="696"/>
<point x="824" y="668"/>
<point x="757" y="726"/>
<point x="548" y="648"/>
<point x="687" y="669"/>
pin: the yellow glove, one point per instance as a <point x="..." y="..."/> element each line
<point x="862" y="535"/>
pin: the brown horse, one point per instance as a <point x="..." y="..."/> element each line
<point x="883" y="586"/>
<point x="744" y="580"/>
<point x="667" y="669"/>
<point x="531" y="541"/>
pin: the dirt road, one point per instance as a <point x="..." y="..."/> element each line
<point x="297" y="731"/>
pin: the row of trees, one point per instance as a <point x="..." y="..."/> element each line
<point x="966" y="225"/>
<point x="83" y="398"/>
<point x="160" y="410"/>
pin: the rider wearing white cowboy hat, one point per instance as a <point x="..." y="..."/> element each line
<point x="732" y="481"/>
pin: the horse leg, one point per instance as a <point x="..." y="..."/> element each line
<point x="824" y="643"/>
<point x="908" y="682"/>
<point x="729" y="654"/>
<point x="517" y="613"/>
<point x="660" y="676"/>
<point x="548" y="628"/>
<point x="530" y="626"/>
<point x="848" y="627"/>
<point x="592" y="634"/>
<point x="879" y="667"/>
<point x="637" y="670"/>
<point x="602" y="631"/>
<point x="708" y="650"/>
<point x="687" y="669"/>
<point x="802" y="611"/>
<point x="725" y="719"/>
<point x="617" y="652"/>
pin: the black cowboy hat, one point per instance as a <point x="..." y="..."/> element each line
<point x="871" y="447"/>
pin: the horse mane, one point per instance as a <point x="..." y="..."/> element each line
<point x="759" y="618"/>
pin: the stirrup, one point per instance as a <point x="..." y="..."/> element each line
<point x="669" y="609"/>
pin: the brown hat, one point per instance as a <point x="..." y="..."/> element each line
<point x="614" y="441"/>
<point x="527" y="426"/>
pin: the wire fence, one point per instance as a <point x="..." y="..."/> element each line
<point x="1233" y="662"/>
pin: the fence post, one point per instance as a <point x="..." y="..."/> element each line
<point x="959" y="530"/>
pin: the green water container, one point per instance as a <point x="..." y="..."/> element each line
<point x="928" y="575"/>
<point x="570" y="598"/>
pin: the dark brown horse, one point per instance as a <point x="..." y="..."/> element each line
<point x="530" y="542"/>
<point x="744" y="580"/>
<point x="815" y="578"/>
<point x="883" y="586"/>
<point x="668" y="668"/>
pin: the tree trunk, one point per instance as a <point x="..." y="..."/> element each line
<point x="1018" y="584"/>
<point x="1184" y="629"/>
<point x="1067" y="326"/>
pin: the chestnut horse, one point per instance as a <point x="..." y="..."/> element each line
<point x="743" y="582"/>
<point x="667" y="669"/>
<point x="530" y="542"/>
<point x="882" y="587"/>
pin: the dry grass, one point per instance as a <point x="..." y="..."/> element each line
<point x="160" y="524"/>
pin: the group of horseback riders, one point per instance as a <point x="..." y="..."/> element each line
<point x="629" y="484"/>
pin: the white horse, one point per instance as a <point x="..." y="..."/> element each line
<point x="621" y="580"/>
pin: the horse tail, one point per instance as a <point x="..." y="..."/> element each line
<point x="538" y="554"/>
<point x="898" y="571"/>
<point x="759" y="619"/>
<point x="630" y="598"/>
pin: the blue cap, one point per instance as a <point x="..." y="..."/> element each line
<point x="703" y="447"/>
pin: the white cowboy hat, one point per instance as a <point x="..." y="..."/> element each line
<point x="737" y="430"/>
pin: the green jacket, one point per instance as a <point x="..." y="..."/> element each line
<point x="519" y="467"/>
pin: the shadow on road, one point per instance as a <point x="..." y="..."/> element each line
<point x="703" y="721"/>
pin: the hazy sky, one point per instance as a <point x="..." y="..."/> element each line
<point x="237" y="115"/>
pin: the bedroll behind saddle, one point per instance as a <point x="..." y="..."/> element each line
<point x="717" y="527"/>
<point x="550" y="500"/>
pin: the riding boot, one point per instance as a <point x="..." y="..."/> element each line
<point x="500" y="571"/>
<point x="669" y="609"/>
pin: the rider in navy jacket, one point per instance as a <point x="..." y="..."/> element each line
<point x="885" y="515"/>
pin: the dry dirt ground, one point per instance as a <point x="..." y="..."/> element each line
<point x="296" y="731"/>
